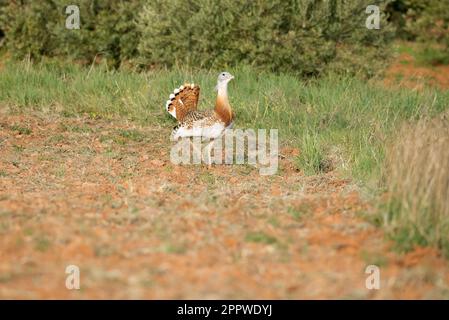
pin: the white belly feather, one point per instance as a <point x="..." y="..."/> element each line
<point x="211" y="132"/>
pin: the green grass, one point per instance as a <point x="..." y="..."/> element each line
<point x="432" y="56"/>
<point x="260" y="237"/>
<point x="426" y="54"/>
<point x="299" y="212"/>
<point x="417" y="210"/>
<point x="42" y="243"/>
<point x="325" y="117"/>
<point x="21" y="130"/>
<point x="18" y="148"/>
<point x="123" y="137"/>
<point x="315" y="161"/>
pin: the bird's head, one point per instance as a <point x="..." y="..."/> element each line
<point x="223" y="79"/>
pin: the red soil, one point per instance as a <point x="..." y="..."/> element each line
<point x="72" y="191"/>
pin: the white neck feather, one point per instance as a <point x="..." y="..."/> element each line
<point x="222" y="88"/>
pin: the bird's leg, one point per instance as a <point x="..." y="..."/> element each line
<point x="209" y="150"/>
<point x="195" y="149"/>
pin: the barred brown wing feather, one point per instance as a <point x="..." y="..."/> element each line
<point x="183" y="100"/>
<point x="190" y="96"/>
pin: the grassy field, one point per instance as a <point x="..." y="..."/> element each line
<point x="86" y="177"/>
<point x="337" y="122"/>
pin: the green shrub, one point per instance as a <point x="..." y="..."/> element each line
<point x="426" y="22"/>
<point x="300" y="36"/>
<point x="37" y="28"/>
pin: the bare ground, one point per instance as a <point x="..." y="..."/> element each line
<point x="406" y="72"/>
<point x="104" y="196"/>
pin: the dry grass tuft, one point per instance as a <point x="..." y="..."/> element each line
<point x="417" y="176"/>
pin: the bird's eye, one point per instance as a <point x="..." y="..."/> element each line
<point x="223" y="74"/>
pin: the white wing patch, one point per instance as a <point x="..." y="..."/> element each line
<point x="210" y="132"/>
<point x="172" y="112"/>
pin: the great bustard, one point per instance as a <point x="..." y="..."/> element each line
<point x="208" y="124"/>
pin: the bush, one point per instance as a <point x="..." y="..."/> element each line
<point x="301" y="36"/>
<point x="417" y="178"/>
<point x="305" y="37"/>
<point x="426" y="22"/>
<point x="37" y="28"/>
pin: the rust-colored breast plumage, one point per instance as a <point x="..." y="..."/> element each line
<point x="223" y="110"/>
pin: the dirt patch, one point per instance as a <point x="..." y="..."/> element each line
<point x="407" y="73"/>
<point x="104" y="196"/>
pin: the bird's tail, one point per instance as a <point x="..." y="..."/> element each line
<point x="183" y="100"/>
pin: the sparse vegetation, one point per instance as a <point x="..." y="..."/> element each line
<point x="260" y="237"/>
<point x="417" y="179"/>
<point x="20" y="130"/>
